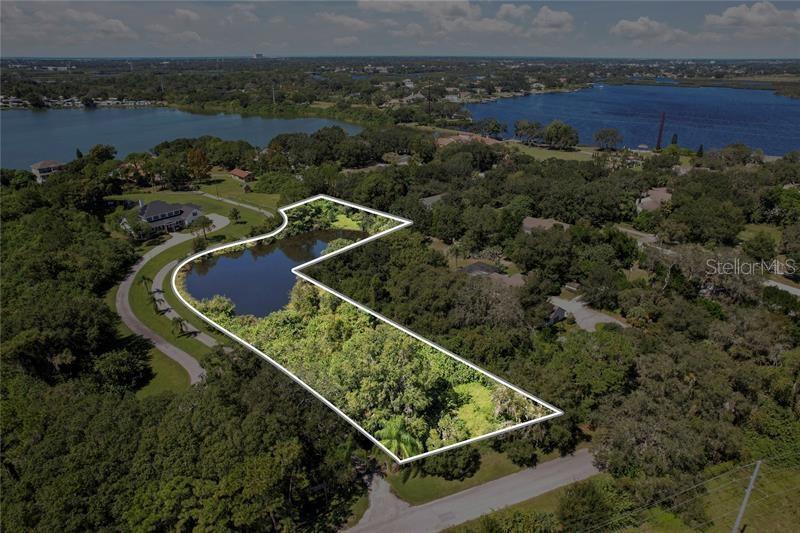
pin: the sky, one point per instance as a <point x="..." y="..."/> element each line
<point x="378" y="27"/>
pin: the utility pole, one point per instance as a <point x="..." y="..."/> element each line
<point x="660" y="131"/>
<point x="746" y="498"/>
<point x="429" y="100"/>
<point x="273" y="93"/>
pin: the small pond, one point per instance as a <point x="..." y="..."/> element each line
<point x="259" y="279"/>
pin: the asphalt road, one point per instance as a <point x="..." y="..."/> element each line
<point x="189" y="363"/>
<point x="387" y="514"/>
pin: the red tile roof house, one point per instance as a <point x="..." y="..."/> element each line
<point x="244" y="175"/>
<point x="42" y="169"/>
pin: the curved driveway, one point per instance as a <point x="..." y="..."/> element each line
<point x="189" y="363"/>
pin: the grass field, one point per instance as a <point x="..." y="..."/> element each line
<point x="223" y="185"/>
<point x="421" y="489"/>
<point x="357" y="510"/>
<point x="582" y="154"/>
<point x="547" y="502"/>
<point x="750" y="231"/>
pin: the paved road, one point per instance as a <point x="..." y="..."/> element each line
<point x="387" y="514"/>
<point x="585" y="317"/>
<point x="167" y="311"/>
<point x="783" y="286"/>
<point x="189" y="363"/>
<point x="265" y="212"/>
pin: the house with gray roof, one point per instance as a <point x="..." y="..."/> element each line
<point x="163" y="217"/>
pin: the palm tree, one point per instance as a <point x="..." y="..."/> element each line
<point x="178" y="324"/>
<point x="202" y="223"/>
<point x="397" y="439"/>
<point x="456" y="250"/>
<point x="146" y="282"/>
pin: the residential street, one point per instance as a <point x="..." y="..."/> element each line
<point x="388" y="514"/>
<point x="189" y="363"/>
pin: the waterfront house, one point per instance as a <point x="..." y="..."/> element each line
<point x="162" y="217"/>
<point x="43" y="169"/>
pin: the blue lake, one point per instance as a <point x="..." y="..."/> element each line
<point x="259" y="279"/>
<point x="711" y="116"/>
<point x="28" y="136"/>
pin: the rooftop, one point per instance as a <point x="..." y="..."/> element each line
<point x="531" y="223"/>
<point x="47" y="163"/>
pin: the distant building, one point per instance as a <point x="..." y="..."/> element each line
<point x="162" y="217"/>
<point x="464" y="137"/>
<point x="43" y="169"/>
<point x="531" y="223"/>
<point x="244" y="175"/>
<point x="653" y="199"/>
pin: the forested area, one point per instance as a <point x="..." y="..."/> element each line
<point x="410" y="396"/>
<point x="706" y="375"/>
<point x="247" y="449"/>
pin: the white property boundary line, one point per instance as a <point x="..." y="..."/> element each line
<point x="403" y="223"/>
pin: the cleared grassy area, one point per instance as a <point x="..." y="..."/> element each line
<point x="169" y="376"/>
<point x="583" y="153"/>
<point x="223" y="185"/>
<point x="773" y="505"/>
<point x="460" y="262"/>
<point x="750" y="231"/>
<point x="421" y="489"/>
<point x="547" y="503"/>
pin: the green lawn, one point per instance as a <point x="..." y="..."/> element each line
<point x="357" y="510"/>
<point x="169" y="376"/>
<point x="582" y="154"/>
<point x="750" y="231"/>
<point x="772" y="507"/>
<point x="223" y="185"/>
<point x="547" y="502"/>
<point x="421" y="489"/>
